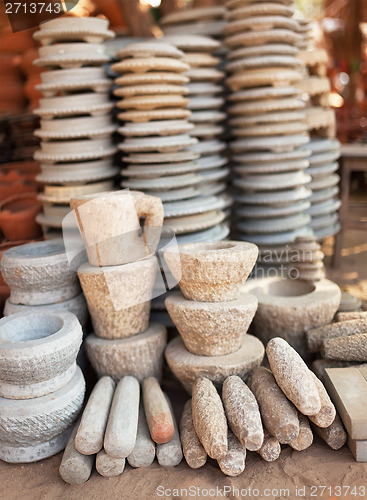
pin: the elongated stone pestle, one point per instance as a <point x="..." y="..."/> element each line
<point x="234" y="463"/>
<point x="193" y="450"/>
<point x="122" y="423"/>
<point x="334" y="435"/>
<point x="293" y="376"/>
<point x="108" y="466"/>
<point x="351" y="348"/>
<point x="278" y="413"/>
<point x="143" y="453"/>
<point x="170" y="454"/>
<point x="270" y="449"/>
<point x="317" y="336"/>
<point x="209" y="418"/>
<point x="305" y="436"/>
<point x="157" y="412"/>
<point x="326" y="415"/>
<point x="75" y="468"/>
<point x="90" y="435"/>
<point x="347" y="316"/>
<point x="243" y="413"/>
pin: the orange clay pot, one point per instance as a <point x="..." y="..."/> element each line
<point x="12" y="183"/>
<point x="27" y="169"/>
<point x="18" y="217"/>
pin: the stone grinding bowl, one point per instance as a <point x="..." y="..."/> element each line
<point x="211" y="272"/>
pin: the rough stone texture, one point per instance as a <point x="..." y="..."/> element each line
<point x="279" y="415"/>
<point x="350" y="348"/>
<point x="122" y="426"/>
<point x="76" y="305"/>
<point x="75" y="468"/>
<point x="326" y="415"/>
<point x="118" y="297"/>
<point x="140" y="356"/>
<point x="108" y="466"/>
<point x="348" y="390"/>
<point x="212" y="328"/>
<point x="109" y="224"/>
<point x="157" y="411"/>
<point x="209" y="418"/>
<point x="316" y="337"/>
<point x="211" y="272"/>
<point x="305" y="436"/>
<point x="144" y="450"/>
<point x="37" y="353"/>
<point x="347" y="316"/>
<point x="358" y="449"/>
<point x="90" y="435"/>
<point x="170" y="454"/>
<point x="293" y="376"/>
<point x="39" y="273"/>
<point x="234" y="463"/>
<point x="270" y="449"/>
<point x="193" y="450"/>
<point x="187" y="367"/>
<point x="33" y="429"/>
<point x="334" y="435"/>
<point x="243" y="413"/>
<point x="289" y="307"/>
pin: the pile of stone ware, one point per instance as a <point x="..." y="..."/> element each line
<point x="274" y="408"/>
<point x="324" y="148"/>
<point x="76" y="126"/>
<point x="160" y="152"/>
<point x="41" y="280"/>
<point x="206" y="100"/>
<point x="118" y="280"/>
<point x="348" y="389"/>
<point x="201" y="21"/>
<point x="211" y="314"/>
<point x="307" y="260"/>
<point x="41" y="387"/>
<point x="267" y="119"/>
<point x="119" y="425"/>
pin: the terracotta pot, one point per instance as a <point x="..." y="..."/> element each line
<point x="15" y="43"/>
<point x="10" y="66"/>
<point x="17" y="217"/>
<point x="26" y="63"/>
<point x="26" y="169"/>
<point x="12" y="91"/>
<point x="12" y="183"/>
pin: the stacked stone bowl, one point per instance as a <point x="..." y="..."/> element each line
<point x="201" y="21"/>
<point x="160" y="156"/>
<point x="118" y="280"/>
<point x="210" y="313"/>
<point x="76" y="129"/>
<point x="267" y="122"/>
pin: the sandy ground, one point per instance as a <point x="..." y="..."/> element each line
<point x="311" y="469"/>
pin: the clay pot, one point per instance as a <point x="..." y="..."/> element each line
<point x="18" y="217"/>
<point x="12" y="184"/>
<point x="211" y="272"/>
<point x="24" y="437"/>
<point x="27" y="169"/>
<point x="38" y="353"/>
<point x="287" y="308"/>
<point x="118" y="297"/>
<point x="39" y="273"/>
<point x="110" y="227"/>
<point x="211" y="328"/>
<point x="26" y="62"/>
<point x="15" y="43"/>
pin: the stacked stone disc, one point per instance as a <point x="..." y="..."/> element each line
<point x="118" y="280"/>
<point x="307" y="260"/>
<point x="206" y="100"/>
<point x="160" y="156"/>
<point x="210" y="313"/>
<point x="76" y="130"/>
<point x="324" y="148"/>
<point x="201" y="21"/>
<point x="267" y="122"/>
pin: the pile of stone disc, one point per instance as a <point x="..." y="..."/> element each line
<point x="206" y="21"/>
<point x="158" y="149"/>
<point x="206" y="101"/>
<point x="76" y="126"/>
<point x="267" y="122"/>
